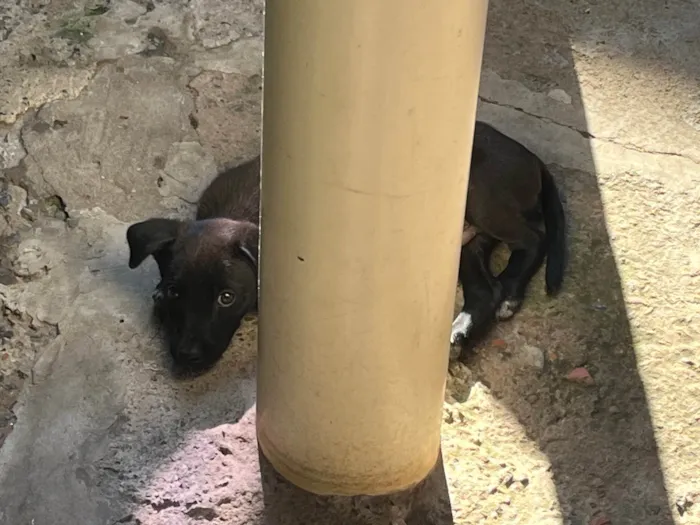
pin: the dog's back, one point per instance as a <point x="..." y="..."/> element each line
<point x="233" y="194"/>
<point x="504" y="177"/>
<point x="510" y="187"/>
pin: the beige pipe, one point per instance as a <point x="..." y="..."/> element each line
<point x="368" y="119"/>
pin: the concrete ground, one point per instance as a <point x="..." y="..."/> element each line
<point x="112" y="111"/>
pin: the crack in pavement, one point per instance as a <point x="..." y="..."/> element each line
<point x="585" y="134"/>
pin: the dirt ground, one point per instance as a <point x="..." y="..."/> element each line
<point x="114" y="110"/>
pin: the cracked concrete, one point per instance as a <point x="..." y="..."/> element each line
<point x="112" y="111"/>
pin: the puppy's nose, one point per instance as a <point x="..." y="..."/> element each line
<point x="189" y="352"/>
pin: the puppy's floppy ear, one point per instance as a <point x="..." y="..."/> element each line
<point x="152" y="237"/>
<point x="247" y="241"/>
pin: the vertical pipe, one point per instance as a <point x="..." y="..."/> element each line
<point x="368" y="120"/>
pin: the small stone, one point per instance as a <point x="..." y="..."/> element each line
<point x="613" y="409"/>
<point x="508" y="480"/>
<point x="460" y="372"/>
<point x="499" y="343"/>
<point x="580" y="375"/>
<point x="532" y="398"/>
<point x="521" y="478"/>
<point x="533" y="357"/>
<point x="32" y="260"/>
<point x="448" y="417"/>
<point x="599" y="306"/>
<point x="27" y="214"/>
<point x="683" y="503"/>
<point x="601" y="520"/>
<point x="560" y="96"/>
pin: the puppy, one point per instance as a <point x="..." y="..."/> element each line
<point x="511" y="196"/>
<point x="208" y="267"/>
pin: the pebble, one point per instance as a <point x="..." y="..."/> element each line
<point x="533" y="357"/>
<point x="521" y="478"/>
<point x="499" y="343"/>
<point x="560" y="96"/>
<point x="508" y="480"/>
<point x="32" y="260"/>
<point x="580" y="375"/>
<point x="683" y="503"/>
<point x="448" y="417"/>
<point x="28" y="214"/>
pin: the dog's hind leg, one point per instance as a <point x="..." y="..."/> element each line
<point x="480" y="289"/>
<point x="527" y="255"/>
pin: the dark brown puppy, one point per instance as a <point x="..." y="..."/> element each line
<point x="512" y="196"/>
<point x="208" y="267"/>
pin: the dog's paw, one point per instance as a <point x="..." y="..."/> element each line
<point x="508" y="309"/>
<point x="461" y="327"/>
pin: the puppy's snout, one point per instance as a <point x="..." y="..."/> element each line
<point x="188" y="351"/>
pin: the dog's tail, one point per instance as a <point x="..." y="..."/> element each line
<point x="555" y="224"/>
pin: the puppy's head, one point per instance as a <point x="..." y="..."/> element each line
<point x="208" y="283"/>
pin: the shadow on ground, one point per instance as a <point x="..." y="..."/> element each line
<point x="285" y="504"/>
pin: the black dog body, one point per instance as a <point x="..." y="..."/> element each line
<point x="208" y="267"/>
<point x="511" y="197"/>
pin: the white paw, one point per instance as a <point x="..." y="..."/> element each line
<point x="460" y="327"/>
<point x="507" y="309"/>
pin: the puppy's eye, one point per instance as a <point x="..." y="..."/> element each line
<point x="171" y="292"/>
<point x="226" y="298"/>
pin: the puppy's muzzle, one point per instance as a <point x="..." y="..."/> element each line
<point x="188" y="352"/>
